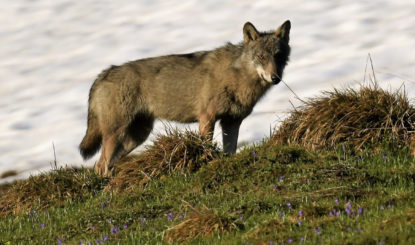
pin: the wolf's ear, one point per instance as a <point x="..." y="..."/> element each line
<point x="250" y="32"/>
<point x="283" y="31"/>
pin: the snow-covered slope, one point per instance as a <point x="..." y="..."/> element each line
<point x="52" y="50"/>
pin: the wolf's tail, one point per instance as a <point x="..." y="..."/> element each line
<point x="92" y="139"/>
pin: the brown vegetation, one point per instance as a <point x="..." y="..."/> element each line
<point x="354" y="118"/>
<point x="178" y="152"/>
<point x="50" y="188"/>
<point x="200" y="224"/>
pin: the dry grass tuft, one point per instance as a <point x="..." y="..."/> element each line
<point x="200" y="224"/>
<point x="4" y="188"/>
<point x="178" y="152"/>
<point x="267" y="228"/>
<point x="52" y="188"/>
<point x="356" y="118"/>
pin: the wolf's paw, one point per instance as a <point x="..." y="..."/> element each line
<point x="101" y="170"/>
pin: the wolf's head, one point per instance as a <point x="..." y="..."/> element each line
<point x="268" y="52"/>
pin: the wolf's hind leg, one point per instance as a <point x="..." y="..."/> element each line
<point x="108" y="146"/>
<point x="230" y="131"/>
<point x="125" y="140"/>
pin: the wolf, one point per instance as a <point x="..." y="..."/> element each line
<point x="223" y="85"/>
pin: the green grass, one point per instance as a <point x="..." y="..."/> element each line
<point x="264" y="193"/>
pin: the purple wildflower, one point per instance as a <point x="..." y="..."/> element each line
<point x="317" y="230"/>
<point x="104" y="239"/>
<point x="42" y="226"/>
<point x="343" y="147"/>
<point x="331" y="213"/>
<point x="349" y="205"/>
<point x="60" y="241"/>
<point x="115" y="230"/>
<point x="125" y="226"/>
<point x="170" y="216"/>
<point x="347" y="211"/>
<point x="336" y="201"/>
<point x="282" y="214"/>
<point x="254" y="153"/>
<point x="143" y="221"/>
<point x="103" y="205"/>
<point x="96" y="242"/>
<point x="241" y="217"/>
<point x="348" y="228"/>
<point x="338" y="213"/>
<point x="382" y="207"/>
<point x="300" y="213"/>
<point x="384" y="155"/>
<point x="288" y="205"/>
<point x="281" y="178"/>
<point x="389" y="206"/>
<point x="299" y="223"/>
<point x="302" y="239"/>
<point x="183" y="214"/>
<point x="276" y="186"/>
<point x="290" y="240"/>
<point x="271" y="243"/>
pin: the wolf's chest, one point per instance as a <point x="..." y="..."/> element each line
<point x="239" y="103"/>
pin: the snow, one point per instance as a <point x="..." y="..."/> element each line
<point x="52" y="50"/>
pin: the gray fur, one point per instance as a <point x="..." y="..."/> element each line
<point x="222" y="84"/>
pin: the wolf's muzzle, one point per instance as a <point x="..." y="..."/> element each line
<point x="275" y="79"/>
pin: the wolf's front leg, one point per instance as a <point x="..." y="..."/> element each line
<point x="230" y="131"/>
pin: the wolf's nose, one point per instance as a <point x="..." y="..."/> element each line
<point x="274" y="78"/>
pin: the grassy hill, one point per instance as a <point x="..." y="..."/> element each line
<point x="339" y="170"/>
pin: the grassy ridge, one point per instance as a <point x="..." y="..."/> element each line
<point x="277" y="193"/>
<point x="183" y="190"/>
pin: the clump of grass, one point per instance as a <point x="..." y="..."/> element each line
<point x="200" y="224"/>
<point x="52" y="188"/>
<point x="4" y="187"/>
<point x="356" y="118"/>
<point x="178" y="152"/>
<point x="267" y="163"/>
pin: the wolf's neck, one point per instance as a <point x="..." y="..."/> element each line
<point x="250" y="87"/>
